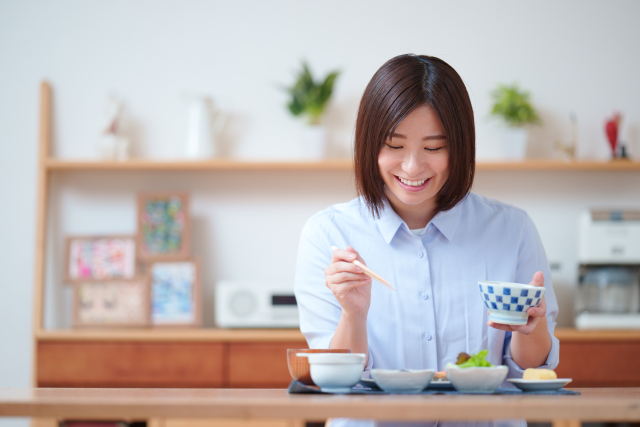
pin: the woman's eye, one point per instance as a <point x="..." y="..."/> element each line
<point x="432" y="150"/>
<point x="393" y="147"/>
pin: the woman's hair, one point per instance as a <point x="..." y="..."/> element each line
<point x="401" y="85"/>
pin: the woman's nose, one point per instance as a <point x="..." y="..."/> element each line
<point x="413" y="164"/>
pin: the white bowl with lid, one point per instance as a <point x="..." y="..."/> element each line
<point x="335" y="372"/>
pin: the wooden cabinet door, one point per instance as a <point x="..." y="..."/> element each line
<point x="600" y="363"/>
<point x="131" y="364"/>
<point x="259" y="365"/>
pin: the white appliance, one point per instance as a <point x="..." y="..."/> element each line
<point x="255" y="304"/>
<point x="608" y="294"/>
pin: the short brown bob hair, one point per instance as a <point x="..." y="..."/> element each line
<point x="400" y="86"/>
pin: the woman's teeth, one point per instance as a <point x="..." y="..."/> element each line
<point x="412" y="183"/>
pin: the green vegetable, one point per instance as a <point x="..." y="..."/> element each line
<point x="475" y="360"/>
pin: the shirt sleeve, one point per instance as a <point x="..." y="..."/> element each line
<point x="532" y="258"/>
<point x="318" y="308"/>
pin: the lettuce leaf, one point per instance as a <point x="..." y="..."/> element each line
<point x="477" y="360"/>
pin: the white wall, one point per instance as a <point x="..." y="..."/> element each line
<point x="578" y="56"/>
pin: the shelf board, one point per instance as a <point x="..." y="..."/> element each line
<point x="196" y="165"/>
<point x="53" y="164"/>
<point x="267" y="335"/>
<point x="172" y="334"/>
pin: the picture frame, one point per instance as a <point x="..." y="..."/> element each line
<point x="111" y="303"/>
<point x="102" y="257"/>
<point x="164" y="226"/>
<point x="176" y="293"/>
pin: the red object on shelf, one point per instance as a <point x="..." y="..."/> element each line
<point x="612" y="132"/>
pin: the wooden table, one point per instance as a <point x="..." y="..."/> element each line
<point x="612" y="404"/>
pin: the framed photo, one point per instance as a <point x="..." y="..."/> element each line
<point x="163" y="226"/>
<point x="111" y="303"/>
<point x="175" y="293"/>
<point x="100" y="258"/>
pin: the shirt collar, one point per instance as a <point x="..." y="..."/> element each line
<point x="445" y="221"/>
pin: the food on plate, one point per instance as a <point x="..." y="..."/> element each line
<point x="440" y="375"/>
<point x="477" y="360"/>
<point x="539" y="374"/>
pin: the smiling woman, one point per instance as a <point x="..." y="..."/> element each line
<point x="417" y="224"/>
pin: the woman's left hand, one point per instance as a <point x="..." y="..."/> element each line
<point x="535" y="313"/>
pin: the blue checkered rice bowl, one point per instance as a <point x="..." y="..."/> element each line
<point x="508" y="302"/>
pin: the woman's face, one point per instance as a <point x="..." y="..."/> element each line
<point x="414" y="161"/>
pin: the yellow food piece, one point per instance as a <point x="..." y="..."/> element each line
<point x="539" y="374"/>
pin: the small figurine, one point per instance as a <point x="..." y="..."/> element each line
<point x="612" y="126"/>
<point x="113" y="145"/>
<point x="568" y="149"/>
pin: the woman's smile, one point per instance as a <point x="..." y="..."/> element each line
<point x="413" y="185"/>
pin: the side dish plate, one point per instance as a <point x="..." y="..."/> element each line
<point x="539" y="385"/>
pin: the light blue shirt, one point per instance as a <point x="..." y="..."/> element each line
<point x="437" y="311"/>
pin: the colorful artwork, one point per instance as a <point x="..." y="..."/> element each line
<point x="174" y="293"/>
<point x="163" y="225"/>
<point x="101" y="258"/>
<point x="114" y="303"/>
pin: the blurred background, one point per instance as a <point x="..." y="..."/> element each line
<point x="578" y="60"/>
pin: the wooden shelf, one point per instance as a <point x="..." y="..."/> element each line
<point x="198" y="334"/>
<point x="195" y="165"/>
<point x="267" y="335"/>
<point x="53" y="164"/>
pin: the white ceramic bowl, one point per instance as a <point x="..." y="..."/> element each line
<point x="335" y="372"/>
<point x="402" y="381"/>
<point x="508" y="302"/>
<point x="477" y="380"/>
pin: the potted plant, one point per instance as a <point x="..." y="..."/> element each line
<point x="512" y="106"/>
<point x="308" y="100"/>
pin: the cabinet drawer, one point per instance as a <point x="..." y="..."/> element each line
<point x="600" y="363"/>
<point x="260" y="365"/>
<point x="130" y="364"/>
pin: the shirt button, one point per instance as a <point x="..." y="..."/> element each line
<point x="427" y="336"/>
<point x="420" y="254"/>
<point x="424" y="295"/>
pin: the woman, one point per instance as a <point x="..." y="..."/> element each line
<point x="417" y="225"/>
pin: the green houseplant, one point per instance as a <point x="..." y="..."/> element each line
<point x="512" y="106"/>
<point x="308" y="97"/>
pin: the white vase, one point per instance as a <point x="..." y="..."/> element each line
<point x="199" y="137"/>
<point x="314" y="140"/>
<point x="513" y="142"/>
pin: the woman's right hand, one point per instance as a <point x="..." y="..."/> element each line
<point x="347" y="281"/>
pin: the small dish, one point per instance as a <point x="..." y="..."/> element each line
<point x="477" y="380"/>
<point x="403" y="380"/>
<point x="440" y="385"/>
<point x="508" y="302"/>
<point x="299" y="366"/>
<point x="335" y="372"/>
<point x="539" y="385"/>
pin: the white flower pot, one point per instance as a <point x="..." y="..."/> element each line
<point x="513" y="142"/>
<point x="314" y="140"/>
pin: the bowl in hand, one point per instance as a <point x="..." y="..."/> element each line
<point x="299" y="366"/>
<point x="508" y="302"/>
<point x="335" y="372"/>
